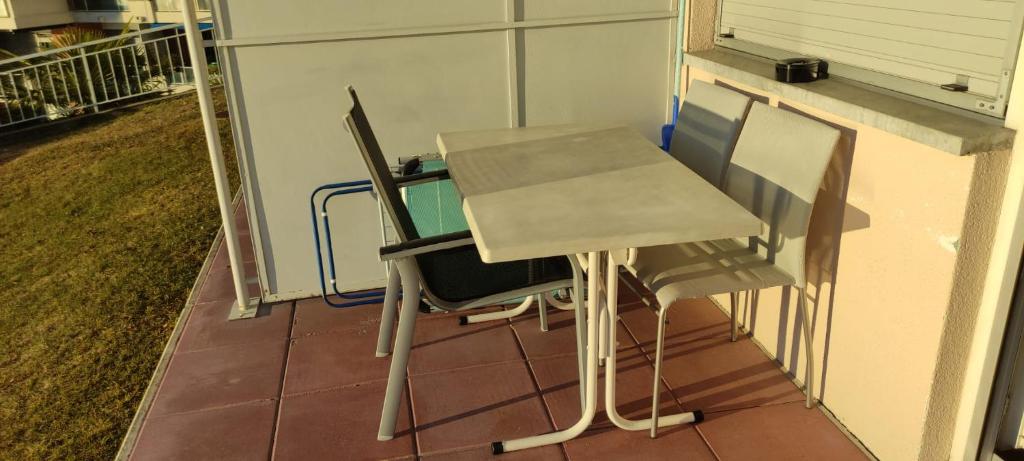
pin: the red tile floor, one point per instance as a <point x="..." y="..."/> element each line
<point x="300" y="382"/>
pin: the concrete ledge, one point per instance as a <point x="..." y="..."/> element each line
<point x="948" y="129"/>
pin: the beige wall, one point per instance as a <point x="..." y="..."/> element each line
<point x="895" y="277"/>
<point x="26" y="14"/>
<point x="896" y="268"/>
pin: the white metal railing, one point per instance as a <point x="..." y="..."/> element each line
<point x="69" y="81"/>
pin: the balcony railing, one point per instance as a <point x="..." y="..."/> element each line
<point x="68" y="81"/>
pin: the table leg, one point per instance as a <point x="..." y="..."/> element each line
<point x="589" y="381"/>
<point x="603" y="325"/>
<point x="611" y="408"/>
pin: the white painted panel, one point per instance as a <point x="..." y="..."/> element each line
<point x="293" y="102"/>
<point x="930" y="41"/>
<point x="547" y="9"/>
<point x="288" y="99"/>
<point x="608" y="73"/>
<point x="268" y="18"/>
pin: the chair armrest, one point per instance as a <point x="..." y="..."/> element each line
<point x="426" y="245"/>
<point x="421" y="178"/>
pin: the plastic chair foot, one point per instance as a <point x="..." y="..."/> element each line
<point x="497" y="448"/>
<point x="463" y="320"/>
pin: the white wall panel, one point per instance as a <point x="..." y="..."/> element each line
<point x="268" y="18"/>
<point x="548" y="9"/>
<point x="593" y="74"/>
<point x="294" y="104"/>
<point x="287" y="67"/>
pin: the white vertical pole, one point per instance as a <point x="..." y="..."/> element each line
<point x="243" y="309"/>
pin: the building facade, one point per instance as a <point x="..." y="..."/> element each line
<point x="26" y="26"/>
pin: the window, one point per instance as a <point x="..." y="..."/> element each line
<point x="172" y="5"/>
<point x="99" y="5"/>
<point x="44" y="40"/>
<point x="914" y="47"/>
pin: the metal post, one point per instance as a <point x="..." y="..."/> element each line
<point x="88" y="80"/>
<point x="245" y="307"/>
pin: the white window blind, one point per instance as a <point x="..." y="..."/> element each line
<point x="911" y="46"/>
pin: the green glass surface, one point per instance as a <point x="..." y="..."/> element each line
<point x="435" y="207"/>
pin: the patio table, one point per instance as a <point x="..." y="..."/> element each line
<point x="564" y="190"/>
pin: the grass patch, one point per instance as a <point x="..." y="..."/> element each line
<point x="103" y="228"/>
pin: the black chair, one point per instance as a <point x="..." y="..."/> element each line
<point x="447" y="267"/>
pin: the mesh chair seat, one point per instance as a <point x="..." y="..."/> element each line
<point x="458" y="274"/>
<point x="699" y="269"/>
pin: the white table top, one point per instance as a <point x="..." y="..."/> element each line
<point x="551" y="191"/>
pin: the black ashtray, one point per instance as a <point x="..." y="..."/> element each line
<point x="800" y="70"/>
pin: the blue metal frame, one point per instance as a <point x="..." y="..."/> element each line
<point x="346" y="188"/>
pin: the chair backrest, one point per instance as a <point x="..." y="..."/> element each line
<point x="709" y="124"/>
<point x="775" y="173"/>
<point x="380" y="173"/>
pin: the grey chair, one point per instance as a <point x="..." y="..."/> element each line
<point x="775" y="172"/>
<point x="710" y="121"/>
<point x="709" y="124"/>
<point x="447" y="267"/>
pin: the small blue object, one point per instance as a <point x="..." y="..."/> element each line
<point x="666" y="130"/>
<point x="666" y="136"/>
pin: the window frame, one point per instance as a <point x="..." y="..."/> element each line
<point x="123" y="6"/>
<point x="175" y="8"/>
<point x="994" y="107"/>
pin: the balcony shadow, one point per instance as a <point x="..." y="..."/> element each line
<point x="19" y="142"/>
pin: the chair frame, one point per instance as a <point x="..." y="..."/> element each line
<point x="402" y="256"/>
<point x="798" y="282"/>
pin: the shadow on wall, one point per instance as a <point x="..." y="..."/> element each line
<point x="830" y="218"/>
<point x="756" y="97"/>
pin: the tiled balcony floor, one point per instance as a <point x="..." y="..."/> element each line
<point x="300" y="382"/>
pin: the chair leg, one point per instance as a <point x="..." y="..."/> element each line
<point x="542" y="310"/>
<point x="808" y="347"/>
<point x="610" y="402"/>
<point x="560" y="305"/>
<point x="387" y="316"/>
<point x="499" y="315"/>
<point x="733" y="324"/>
<point x="658" y="355"/>
<point x="403" y="343"/>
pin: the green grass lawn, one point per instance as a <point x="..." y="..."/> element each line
<point x="103" y="229"/>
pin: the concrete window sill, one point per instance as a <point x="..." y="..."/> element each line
<point x="948" y="129"/>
